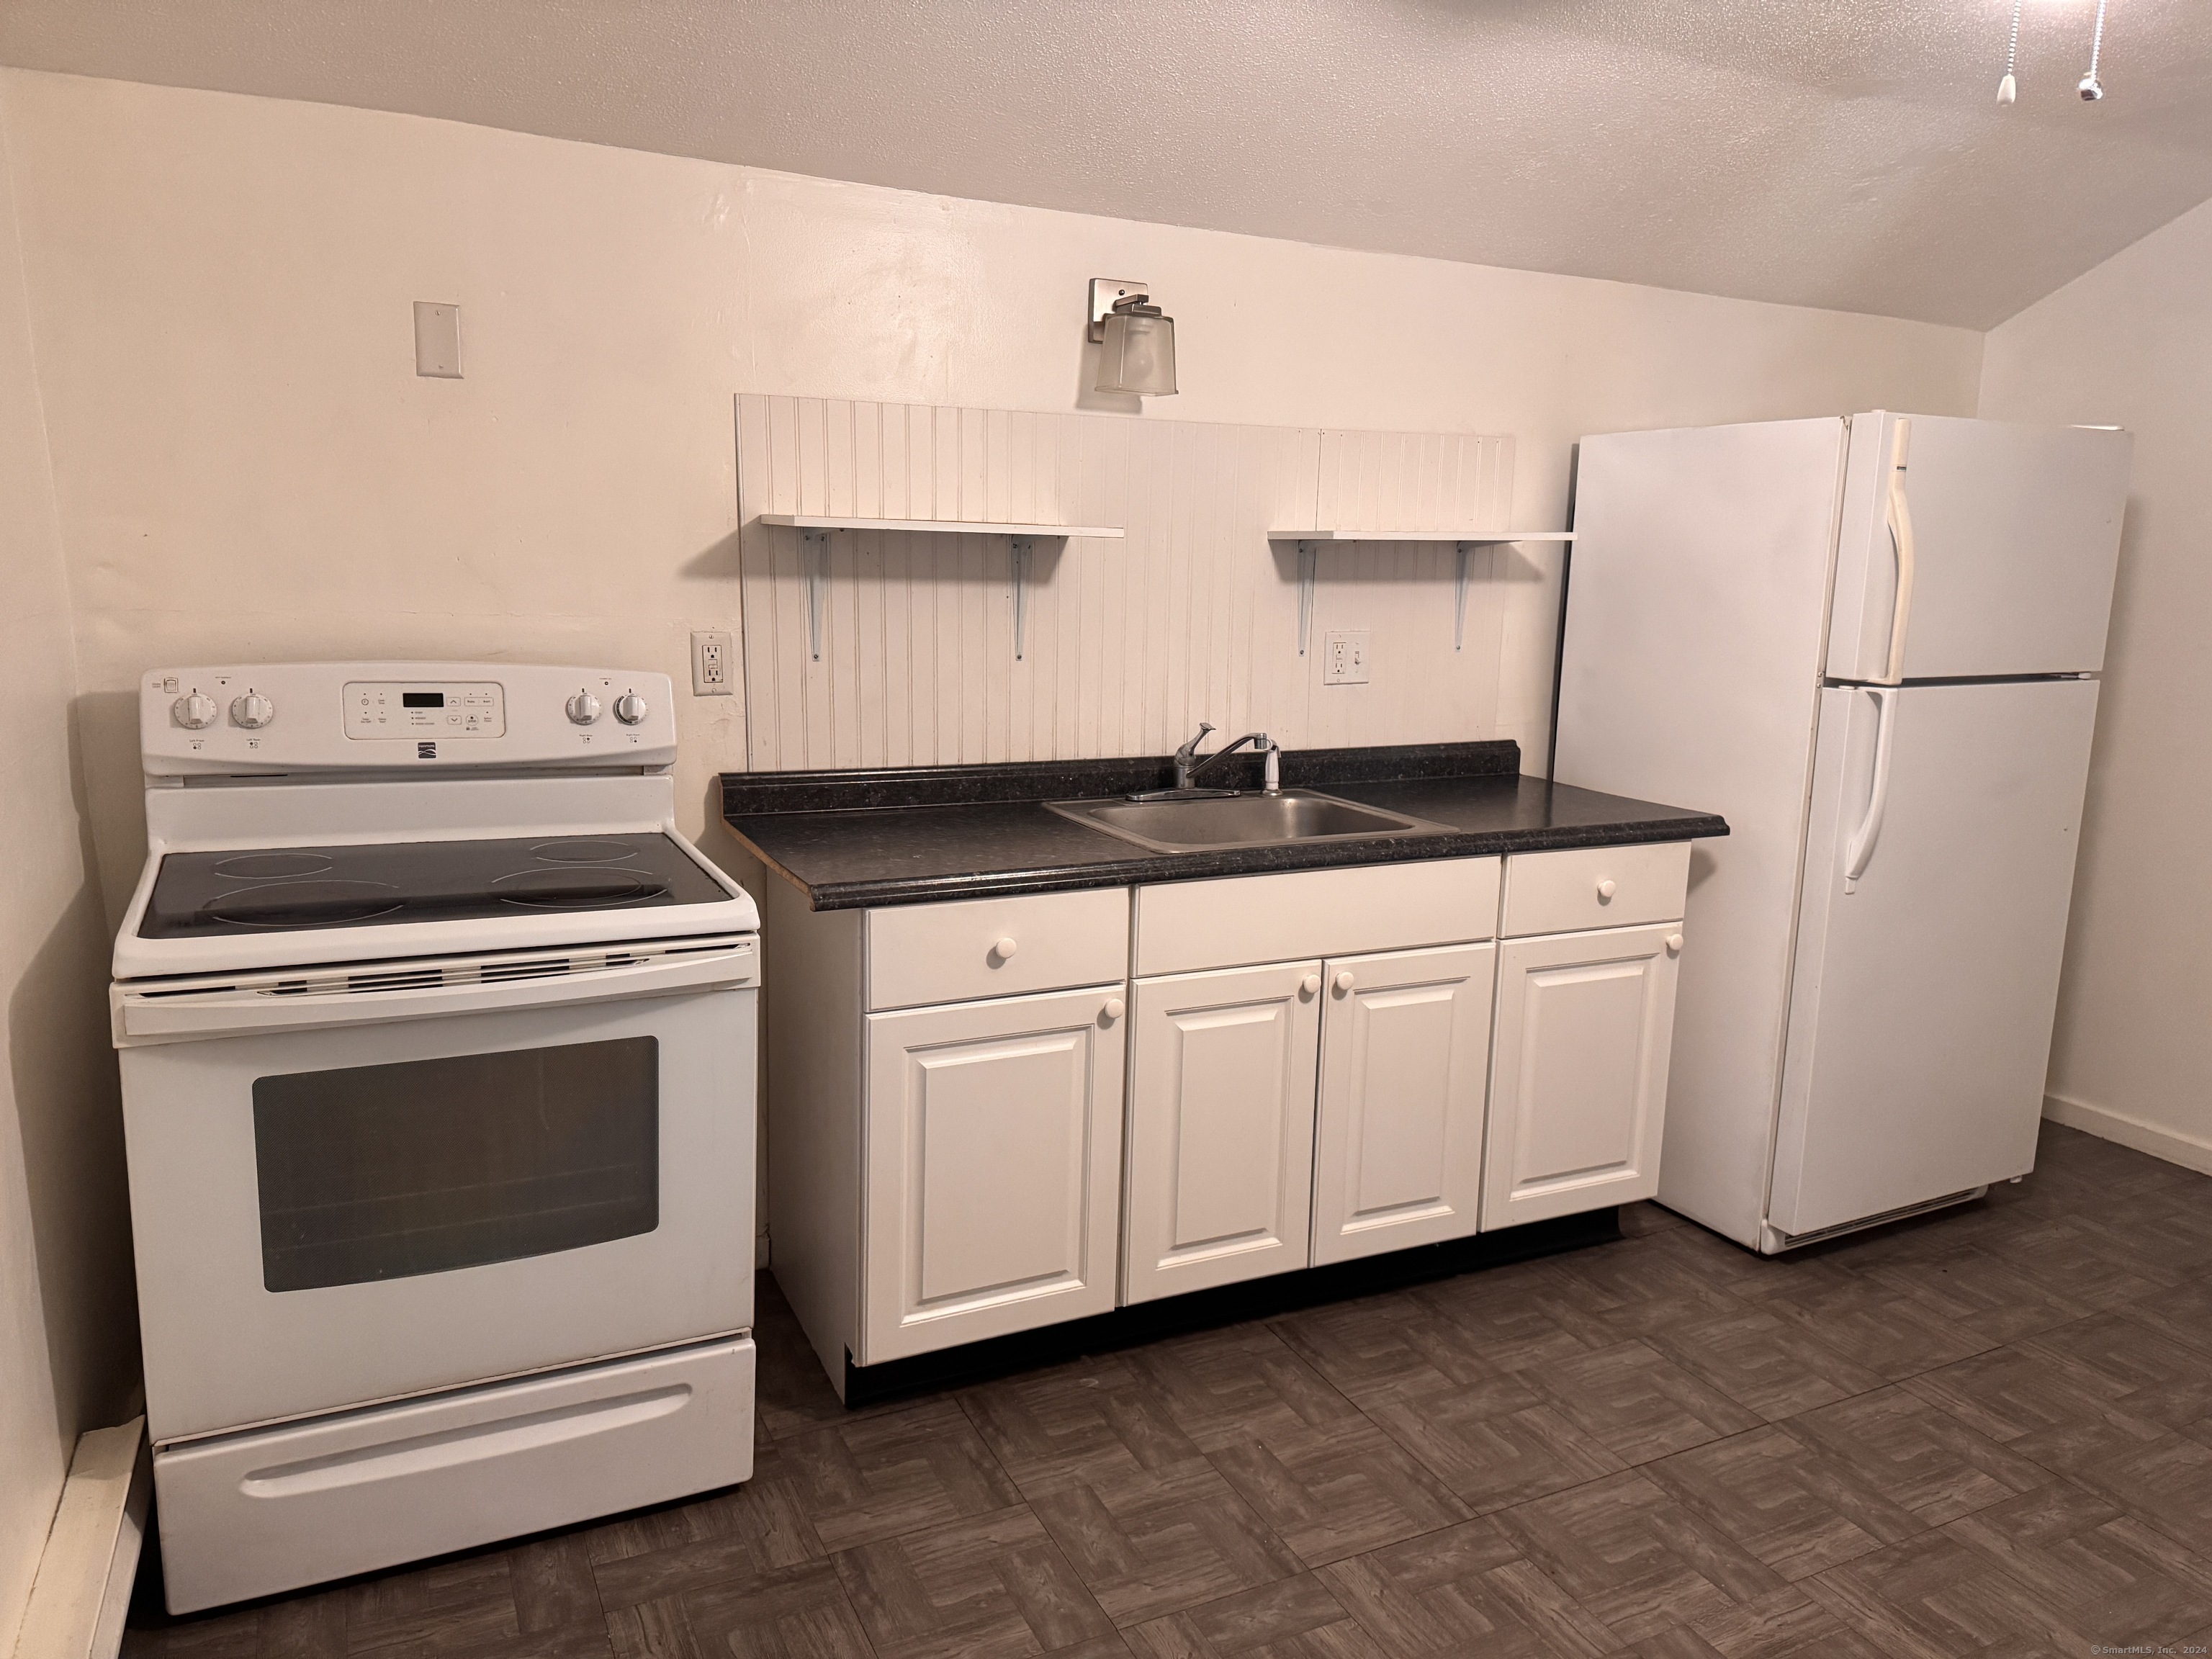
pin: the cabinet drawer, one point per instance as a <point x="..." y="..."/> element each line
<point x="1188" y="926"/>
<point x="926" y="953"/>
<point x="1594" y="887"/>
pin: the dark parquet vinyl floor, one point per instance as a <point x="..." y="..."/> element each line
<point x="1984" y="1432"/>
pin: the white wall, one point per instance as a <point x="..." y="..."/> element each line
<point x="2130" y="344"/>
<point x="67" y="1336"/>
<point x="247" y="466"/>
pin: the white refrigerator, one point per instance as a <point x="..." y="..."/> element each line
<point x="1873" y="644"/>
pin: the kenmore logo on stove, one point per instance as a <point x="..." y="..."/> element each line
<point x="426" y="751"/>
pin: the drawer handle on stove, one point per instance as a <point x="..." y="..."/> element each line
<point x="502" y="1437"/>
<point x="231" y="1009"/>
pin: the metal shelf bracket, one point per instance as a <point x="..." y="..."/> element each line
<point x="1020" y="549"/>
<point x="1459" y="599"/>
<point x="1309" y="570"/>
<point x="814" y="559"/>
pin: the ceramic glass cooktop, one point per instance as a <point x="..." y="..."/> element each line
<point x="199" y="895"/>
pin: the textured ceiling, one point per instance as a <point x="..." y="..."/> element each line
<point x="1810" y="151"/>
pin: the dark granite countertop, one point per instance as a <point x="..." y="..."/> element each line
<point x="912" y="834"/>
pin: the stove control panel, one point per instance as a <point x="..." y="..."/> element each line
<point x="257" y="720"/>
<point x="464" y="710"/>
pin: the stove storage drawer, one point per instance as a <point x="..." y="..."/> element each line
<point x="249" y="1515"/>
<point x="921" y="954"/>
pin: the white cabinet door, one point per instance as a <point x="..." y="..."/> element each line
<point x="1405" y="1062"/>
<point x="1578" y="1089"/>
<point x="1221" y="1127"/>
<point x="992" y="1167"/>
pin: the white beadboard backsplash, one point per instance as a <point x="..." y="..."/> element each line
<point x="1129" y="644"/>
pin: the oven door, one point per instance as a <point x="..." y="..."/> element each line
<point x="458" y="1187"/>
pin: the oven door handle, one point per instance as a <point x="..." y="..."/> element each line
<point x="139" y="1016"/>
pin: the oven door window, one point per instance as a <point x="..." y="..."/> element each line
<point x="426" y="1166"/>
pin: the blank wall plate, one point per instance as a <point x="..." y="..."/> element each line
<point x="711" y="663"/>
<point x="437" y="340"/>
<point x="1344" y="657"/>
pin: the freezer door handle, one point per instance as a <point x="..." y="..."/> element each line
<point x="1901" y="541"/>
<point x="1860" y="850"/>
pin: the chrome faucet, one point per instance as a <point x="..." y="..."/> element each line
<point x="1186" y="774"/>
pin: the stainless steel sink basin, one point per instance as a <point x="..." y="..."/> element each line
<point x="1206" y="823"/>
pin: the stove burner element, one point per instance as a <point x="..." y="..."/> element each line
<point x="575" y="889"/>
<point x="303" y="903"/>
<point x="271" y="867"/>
<point x="584" y="850"/>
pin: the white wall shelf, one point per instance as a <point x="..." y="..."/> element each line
<point x="944" y="526"/>
<point x="1309" y="542"/>
<point x="1465" y="539"/>
<point x="814" y="545"/>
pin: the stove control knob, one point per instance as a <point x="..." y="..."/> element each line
<point x="194" y="710"/>
<point x="583" y="709"/>
<point x="253" y="711"/>
<point x="630" y="708"/>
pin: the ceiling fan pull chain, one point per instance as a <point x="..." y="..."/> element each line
<point x="2091" y="89"/>
<point x="2009" y="89"/>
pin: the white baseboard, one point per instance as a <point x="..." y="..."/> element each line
<point x="2102" y="1121"/>
<point x="82" y="1591"/>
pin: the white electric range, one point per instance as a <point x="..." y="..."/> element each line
<point x="438" y="1048"/>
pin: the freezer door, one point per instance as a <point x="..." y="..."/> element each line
<point x="1921" y="1001"/>
<point x="2014" y="534"/>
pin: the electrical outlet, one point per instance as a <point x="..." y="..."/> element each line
<point x="710" y="663"/>
<point x="1344" y="658"/>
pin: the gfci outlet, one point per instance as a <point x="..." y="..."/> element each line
<point x="710" y="663"/>
<point x="1344" y="658"/>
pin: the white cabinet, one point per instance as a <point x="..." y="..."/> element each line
<point x="1320" y="1065"/>
<point x="1221" y="1127"/>
<point x="1579" y="1072"/>
<point x="994" y="1156"/>
<point x="1404" y="1066"/>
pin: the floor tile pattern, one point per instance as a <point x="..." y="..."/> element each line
<point x="1984" y="1432"/>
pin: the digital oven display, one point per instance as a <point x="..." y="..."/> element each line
<point x="421" y="700"/>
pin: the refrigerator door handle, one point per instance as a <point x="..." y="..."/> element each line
<point x="1860" y="850"/>
<point x="1900" y="541"/>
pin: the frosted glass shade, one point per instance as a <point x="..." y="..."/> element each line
<point x="1139" y="354"/>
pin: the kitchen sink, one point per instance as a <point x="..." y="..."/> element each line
<point x="1205" y="823"/>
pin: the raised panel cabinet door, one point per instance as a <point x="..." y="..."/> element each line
<point x="993" y="1164"/>
<point x="1405" y="1064"/>
<point x="1579" y="1071"/>
<point x="1221" y="1127"/>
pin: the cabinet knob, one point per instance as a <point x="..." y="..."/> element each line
<point x="1004" y="949"/>
<point x="1113" y="1009"/>
<point x="1344" y="982"/>
<point x="1673" y="945"/>
<point x="1309" y="986"/>
<point x="1605" y="889"/>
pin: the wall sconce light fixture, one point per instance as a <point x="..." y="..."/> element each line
<point x="1136" y="341"/>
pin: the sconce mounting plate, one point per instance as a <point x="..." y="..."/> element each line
<point x="1104" y="291"/>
